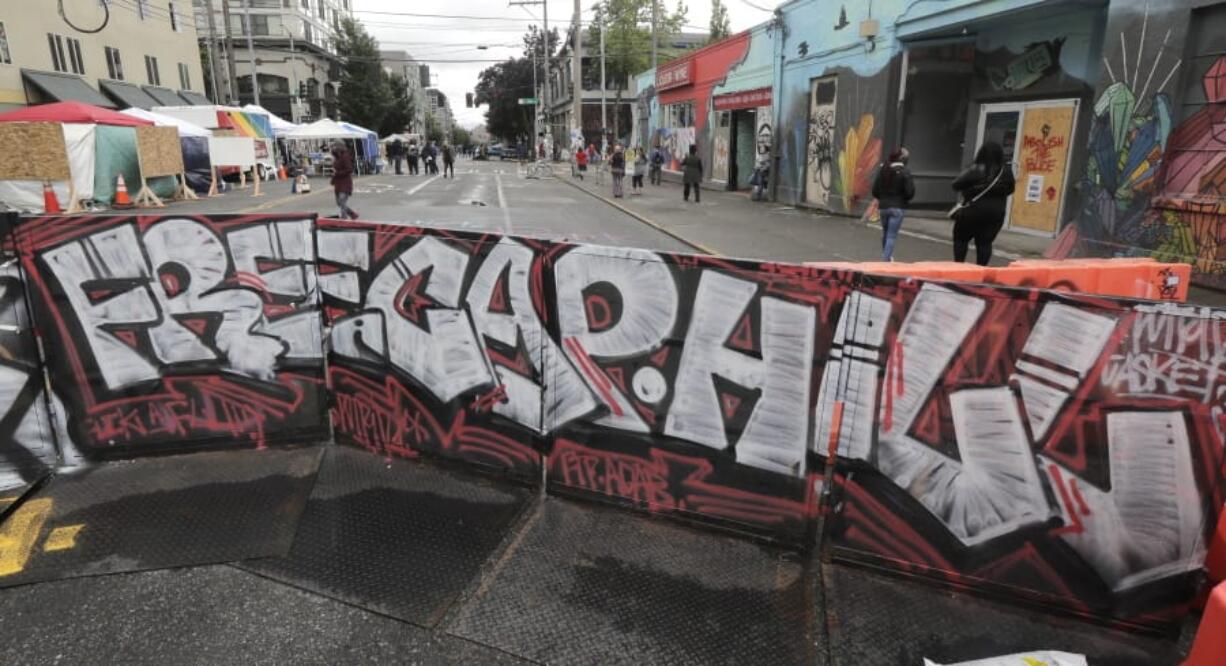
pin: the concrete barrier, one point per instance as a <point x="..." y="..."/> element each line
<point x="1053" y="447"/>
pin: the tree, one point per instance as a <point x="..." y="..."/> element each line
<point x="400" y="108"/>
<point x="720" y="26"/>
<point x="500" y="86"/>
<point x="434" y="130"/>
<point x="365" y="95"/>
<point x="460" y="136"/>
<point x="627" y="47"/>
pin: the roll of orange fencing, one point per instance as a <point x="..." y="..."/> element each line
<point x="1140" y="277"/>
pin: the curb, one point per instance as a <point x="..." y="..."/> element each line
<point x="645" y="220"/>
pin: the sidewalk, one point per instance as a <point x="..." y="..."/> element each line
<point x="729" y="223"/>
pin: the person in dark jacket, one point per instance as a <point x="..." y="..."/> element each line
<point x="985" y="188"/>
<point x="691" y="176"/>
<point x="342" y="179"/>
<point x="395" y="152"/>
<point x="414" y="155"/>
<point x="894" y="188"/>
<point x="448" y="160"/>
<point x="617" y="166"/>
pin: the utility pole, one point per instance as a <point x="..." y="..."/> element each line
<point x="293" y="73"/>
<point x="255" y="72"/>
<point x="214" y="73"/>
<point x="543" y="102"/>
<point x="228" y="44"/>
<point x="576" y="76"/>
<point x="655" y="43"/>
<point x="604" y="119"/>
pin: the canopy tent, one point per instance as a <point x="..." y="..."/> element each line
<point x="279" y="125"/>
<point x="322" y="130"/>
<point x="204" y="116"/>
<point x="71" y="112"/>
<point x="370" y="140"/>
<point x="162" y="120"/>
<point x="79" y="139"/>
<point x="254" y="125"/>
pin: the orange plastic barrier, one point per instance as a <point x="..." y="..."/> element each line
<point x="1209" y="648"/>
<point x="1215" y="561"/>
<point x="1140" y="277"/>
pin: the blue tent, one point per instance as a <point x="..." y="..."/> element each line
<point x="370" y="145"/>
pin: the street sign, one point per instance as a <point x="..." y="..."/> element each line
<point x="528" y="101"/>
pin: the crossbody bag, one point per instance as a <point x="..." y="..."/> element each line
<point x="962" y="205"/>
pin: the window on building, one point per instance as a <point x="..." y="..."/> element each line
<point x="74" y="56"/>
<point x="114" y="65"/>
<point x="174" y="17"/>
<point x="306" y="4"/>
<point x="142" y="9"/>
<point x="323" y="11"/>
<point x="259" y="25"/>
<point x="306" y="32"/>
<point x="151" y="71"/>
<point x="238" y="24"/>
<point x="58" y="62"/>
<point x="937" y="95"/>
<point x="679" y="115"/>
<point x="6" y="58"/>
<point x="185" y="77"/>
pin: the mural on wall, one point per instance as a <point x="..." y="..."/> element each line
<point x="178" y="332"/>
<point x="1024" y="70"/>
<point x="859" y="158"/>
<point x="720" y="158"/>
<point x="1154" y="185"/>
<point x="1017" y="441"/>
<point x="820" y="167"/>
<point x="676" y="142"/>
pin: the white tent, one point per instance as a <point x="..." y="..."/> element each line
<point x="280" y="126"/>
<point x="186" y="128"/>
<point x="322" y="129"/>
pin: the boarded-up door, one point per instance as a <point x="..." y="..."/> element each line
<point x="1042" y="162"/>
<point x="819" y="168"/>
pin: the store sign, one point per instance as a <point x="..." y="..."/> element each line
<point x="745" y="99"/>
<point x="675" y="75"/>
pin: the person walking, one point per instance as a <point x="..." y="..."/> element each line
<point x="414" y="154"/>
<point x="448" y="160"/>
<point x="617" y="166"/>
<point x="657" y="164"/>
<point x="395" y="152"/>
<point x="983" y="190"/>
<point x="691" y="176"/>
<point x="595" y="159"/>
<point x="640" y="170"/>
<point x="581" y="162"/>
<point x="894" y="188"/>
<point x="342" y="179"/>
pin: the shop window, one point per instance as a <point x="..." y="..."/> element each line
<point x="679" y="115"/>
<point x="1190" y="168"/>
<point x="114" y="65"/>
<point x="935" y="108"/>
<point x="5" y="57"/>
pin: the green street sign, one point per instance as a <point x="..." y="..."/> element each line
<point x="528" y="101"/>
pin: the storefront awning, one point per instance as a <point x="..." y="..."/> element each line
<point x="127" y="94"/>
<point x="194" y="98"/>
<point x="65" y="88"/>
<point x="164" y="96"/>
<point x="743" y="99"/>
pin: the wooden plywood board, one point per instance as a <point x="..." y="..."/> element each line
<point x="160" y="151"/>
<point x="33" y="151"/>
<point x="1042" y="159"/>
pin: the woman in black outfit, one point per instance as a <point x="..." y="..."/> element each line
<point x="985" y="187"/>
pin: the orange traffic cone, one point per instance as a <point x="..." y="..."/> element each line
<point x="121" y="194"/>
<point x="281" y="175"/>
<point x="50" y="203"/>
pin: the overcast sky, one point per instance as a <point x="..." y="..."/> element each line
<point x="419" y="28"/>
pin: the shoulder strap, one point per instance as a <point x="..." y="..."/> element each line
<point x="990" y="186"/>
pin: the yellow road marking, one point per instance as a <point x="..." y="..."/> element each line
<point x="19" y="534"/>
<point x="62" y="538"/>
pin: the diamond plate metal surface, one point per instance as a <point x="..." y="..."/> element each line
<point x="876" y="618"/>
<point x="589" y="584"/>
<point x="398" y="537"/>
<point x="159" y="512"/>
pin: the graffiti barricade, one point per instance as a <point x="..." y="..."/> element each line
<point x="170" y="333"/>
<point x="1003" y="441"/>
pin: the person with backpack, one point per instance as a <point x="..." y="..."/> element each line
<point x="640" y="170"/>
<point x="657" y="164"/>
<point x="894" y="188"/>
<point x="617" y="166"/>
<point x="983" y="191"/>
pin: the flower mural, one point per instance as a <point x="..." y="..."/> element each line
<point x="861" y="153"/>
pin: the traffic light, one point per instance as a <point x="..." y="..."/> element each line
<point x="468" y="100"/>
<point x="302" y="90"/>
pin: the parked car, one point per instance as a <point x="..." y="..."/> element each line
<point x="494" y="150"/>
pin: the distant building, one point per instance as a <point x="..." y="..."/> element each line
<point x="440" y="109"/>
<point x="295" y="50"/>
<point x="402" y="64"/>
<point x="560" y="88"/>
<point x="146" y="55"/>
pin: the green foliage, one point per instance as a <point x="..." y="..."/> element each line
<point x="500" y="86"/>
<point x="720" y="26"/>
<point x="460" y="136"/>
<point x="627" y="26"/>
<point x="366" y="94"/>
<point x="400" y="109"/>
<point x="434" y="129"/>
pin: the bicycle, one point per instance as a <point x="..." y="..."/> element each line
<point x="539" y="169"/>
